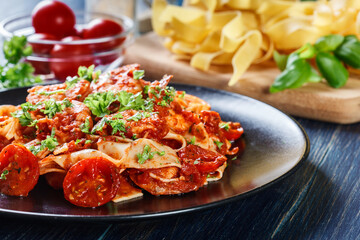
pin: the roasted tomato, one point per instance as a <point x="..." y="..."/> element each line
<point x="19" y="170"/>
<point x="91" y="182"/>
<point x="53" y="17"/>
<point x="233" y="131"/>
<point x="205" y="160"/>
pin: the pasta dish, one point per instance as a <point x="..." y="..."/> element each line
<point x="106" y="137"/>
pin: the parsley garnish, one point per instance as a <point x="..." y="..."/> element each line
<point x="224" y="126"/>
<point x="147" y="154"/>
<point x="118" y="125"/>
<point x="99" y="103"/>
<point x="138" y="116"/>
<point x="51" y="92"/>
<point x="196" y="161"/>
<point x="87" y="141"/>
<point x="50" y="143"/>
<point x="85" y="127"/>
<point x="24" y="115"/>
<point x="52" y="106"/>
<point x="88" y="73"/>
<point x="192" y="140"/>
<point x="218" y="144"/>
<point x="3" y="174"/>
<point x="165" y="94"/>
<point x="138" y="74"/>
<point x="182" y="95"/>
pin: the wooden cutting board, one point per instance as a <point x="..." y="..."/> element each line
<point x="315" y="100"/>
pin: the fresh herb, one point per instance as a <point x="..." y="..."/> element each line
<point x="71" y="81"/>
<point x="85" y="127"/>
<point x="52" y="106"/>
<point x="134" y="137"/>
<point x="24" y="115"/>
<point x="192" y="140"/>
<point x="196" y="161"/>
<point x="138" y="116"/>
<point x="3" y="174"/>
<point x="77" y="141"/>
<point x="88" y="73"/>
<point x="165" y="95"/>
<point x="330" y="52"/>
<point x="225" y="126"/>
<point x="182" y="95"/>
<point x="15" y="72"/>
<point x="138" y="74"/>
<point x="49" y="143"/>
<point x="118" y="125"/>
<point x="99" y="103"/>
<point x="218" y="144"/>
<point x="147" y="154"/>
<point x="87" y="141"/>
<point x="234" y="158"/>
<point x="51" y="92"/>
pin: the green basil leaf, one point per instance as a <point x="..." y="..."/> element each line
<point x="280" y="60"/>
<point x="329" y="43"/>
<point x="332" y="69"/>
<point x="349" y="53"/>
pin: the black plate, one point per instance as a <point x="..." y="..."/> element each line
<point x="275" y="145"/>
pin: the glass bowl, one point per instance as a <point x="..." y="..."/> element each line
<point x="98" y="51"/>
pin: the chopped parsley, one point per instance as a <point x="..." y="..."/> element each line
<point x="196" y="161"/>
<point x="166" y="95"/>
<point x="49" y="143"/>
<point x="192" y="140"/>
<point x="182" y="95"/>
<point x="138" y="74"/>
<point x="117" y="125"/>
<point x="224" y="126"/>
<point x="24" y="115"/>
<point x="3" y="174"/>
<point x="51" y="92"/>
<point x="85" y="127"/>
<point x="218" y="144"/>
<point x="234" y="158"/>
<point x="147" y="154"/>
<point x="52" y="106"/>
<point x="87" y="141"/>
<point x="138" y="116"/>
<point x="88" y="73"/>
<point x="77" y="141"/>
<point x="100" y="102"/>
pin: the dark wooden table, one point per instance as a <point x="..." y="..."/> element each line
<point x="321" y="200"/>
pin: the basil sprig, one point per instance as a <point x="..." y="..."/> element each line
<point x="329" y="52"/>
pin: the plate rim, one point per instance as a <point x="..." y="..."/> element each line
<point x="192" y="209"/>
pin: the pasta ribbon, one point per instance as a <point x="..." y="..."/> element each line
<point x="245" y="32"/>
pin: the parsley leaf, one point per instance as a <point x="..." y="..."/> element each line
<point x="99" y="102"/>
<point x="50" y="143"/>
<point x="24" y="115"/>
<point x="138" y="74"/>
<point x="138" y="116"/>
<point x="51" y="92"/>
<point x="88" y="73"/>
<point x="218" y="144"/>
<point x="118" y="125"/>
<point x="224" y="126"/>
<point x="192" y="140"/>
<point x="3" y="174"/>
<point x="52" y="106"/>
<point x="85" y="127"/>
<point x="16" y="73"/>
<point x="147" y="154"/>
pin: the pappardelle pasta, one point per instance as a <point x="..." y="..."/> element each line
<point x="107" y="137"/>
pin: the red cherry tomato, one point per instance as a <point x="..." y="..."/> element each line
<point x="19" y="170"/>
<point x="91" y="182"/>
<point x="53" y="17"/>
<point x="68" y="58"/>
<point x="205" y="160"/>
<point x="41" y="48"/>
<point x="99" y="28"/>
<point x="233" y="132"/>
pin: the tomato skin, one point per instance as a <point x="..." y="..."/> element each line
<point x="23" y="170"/>
<point x="91" y="182"/>
<point x="233" y="132"/>
<point x="68" y="58"/>
<point x="99" y="28"/>
<point x="53" y="17"/>
<point x="205" y="160"/>
<point x="41" y="48"/>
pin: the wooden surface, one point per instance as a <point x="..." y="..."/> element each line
<point x="321" y="200"/>
<point x="315" y="101"/>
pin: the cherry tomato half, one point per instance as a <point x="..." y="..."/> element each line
<point x="233" y="132"/>
<point x="205" y="160"/>
<point x="91" y="182"/>
<point x="68" y="58"/>
<point x="19" y="170"/>
<point x="99" y="28"/>
<point x="53" y="17"/>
